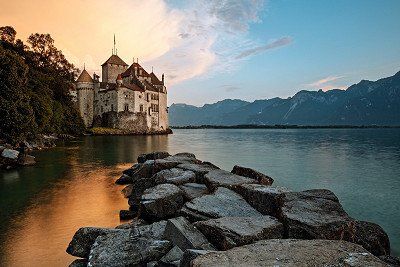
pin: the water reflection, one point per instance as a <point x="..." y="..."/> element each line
<point x="73" y="185"/>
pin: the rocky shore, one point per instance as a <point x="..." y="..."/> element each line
<point x="12" y="157"/>
<point x="187" y="212"/>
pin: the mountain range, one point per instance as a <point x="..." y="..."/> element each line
<point x="364" y="103"/>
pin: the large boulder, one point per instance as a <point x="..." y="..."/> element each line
<point x="161" y="201"/>
<point x="190" y="254"/>
<point x="84" y="238"/>
<point x="369" y="235"/>
<point x="174" y="176"/>
<point x="265" y="199"/>
<point x="317" y="214"/>
<point x="145" y="170"/>
<point x="228" y="232"/>
<point x="10" y="154"/>
<point x="256" y="175"/>
<point x="313" y="214"/>
<point x="121" y="249"/>
<point x="152" y="156"/>
<point x="217" y="178"/>
<point x="199" y="169"/>
<point x="155" y="230"/>
<point x="172" y="258"/>
<point x="185" y="235"/>
<point x="291" y="252"/>
<point x="222" y="203"/>
<point x="193" y="190"/>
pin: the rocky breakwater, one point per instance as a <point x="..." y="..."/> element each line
<point x="188" y="212"/>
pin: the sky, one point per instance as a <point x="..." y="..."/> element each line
<point x="212" y="50"/>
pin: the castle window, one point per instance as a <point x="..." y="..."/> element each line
<point x="148" y="97"/>
<point x="101" y="109"/>
<point x="126" y="108"/>
<point x="141" y="108"/>
<point x="149" y="110"/>
<point x="112" y="107"/>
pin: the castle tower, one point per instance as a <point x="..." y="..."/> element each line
<point x="112" y="67"/>
<point x="85" y="97"/>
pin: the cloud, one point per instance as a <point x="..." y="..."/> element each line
<point x="259" y="49"/>
<point x="196" y="39"/>
<point x="327" y="83"/>
<point x="229" y="88"/>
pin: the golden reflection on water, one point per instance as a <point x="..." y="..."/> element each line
<point x="82" y="199"/>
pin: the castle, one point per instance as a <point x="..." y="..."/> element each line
<point x="128" y="98"/>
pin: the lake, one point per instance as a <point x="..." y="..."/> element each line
<point x="72" y="185"/>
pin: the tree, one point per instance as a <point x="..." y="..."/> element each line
<point x="7" y="34"/>
<point x="16" y="116"/>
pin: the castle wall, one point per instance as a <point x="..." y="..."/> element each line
<point x="110" y="72"/>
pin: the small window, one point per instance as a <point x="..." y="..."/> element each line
<point x="112" y="107"/>
<point x="141" y="108"/>
<point x="149" y="110"/>
<point x="101" y="109"/>
<point x="126" y="108"/>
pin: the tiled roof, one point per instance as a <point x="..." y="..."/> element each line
<point x="131" y="70"/>
<point x="85" y="77"/>
<point x="114" y="59"/>
<point x="150" y="87"/>
<point x="154" y="79"/>
<point x="133" y="87"/>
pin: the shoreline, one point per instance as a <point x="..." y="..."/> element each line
<point x="245" y="126"/>
<point x="188" y="212"/>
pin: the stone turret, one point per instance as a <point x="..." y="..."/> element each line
<point x="85" y="96"/>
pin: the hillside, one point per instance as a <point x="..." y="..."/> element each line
<point x="364" y="103"/>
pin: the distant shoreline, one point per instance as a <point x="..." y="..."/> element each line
<point x="250" y="126"/>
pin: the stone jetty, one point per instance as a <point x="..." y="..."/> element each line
<point x="187" y="212"/>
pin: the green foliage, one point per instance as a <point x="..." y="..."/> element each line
<point x="34" y="88"/>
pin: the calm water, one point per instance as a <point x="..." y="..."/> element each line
<point x="73" y="185"/>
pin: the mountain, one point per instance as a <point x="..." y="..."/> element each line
<point x="364" y="103"/>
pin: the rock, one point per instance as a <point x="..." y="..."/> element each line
<point x="183" y="234"/>
<point x="391" y="260"/>
<point x="155" y="230"/>
<point x="371" y="236"/>
<point x="199" y="169"/>
<point x="121" y="249"/>
<point x="134" y="223"/>
<point x="26" y="160"/>
<point x="172" y="258"/>
<point x="127" y="191"/>
<point x="127" y="214"/>
<point x="132" y="169"/>
<point x="228" y="232"/>
<point x="217" y="178"/>
<point x="222" y="203"/>
<point x="79" y="263"/>
<point x="265" y="199"/>
<point x="174" y="176"/>
<point x="152" y="264"/>
<point x="10" y="154"/>
<point x="313" y="214"/>
<point x="84" y="238"/>
<point x="183" y="159"/>
<point x="317" y="214"/>
<point x="124" y="179"/>
<point x="193" y="190"/>
<point x="185" y="155"/>
<point x="291" y="252"/>
<point x="190" y="254"/>
<point x="138" y="189"/>
<point x="152" y="156"/>
<point x="161" y="201"/>
<point x="248" y="172"/>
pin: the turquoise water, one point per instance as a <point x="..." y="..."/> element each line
<point x="73" y="185"/>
